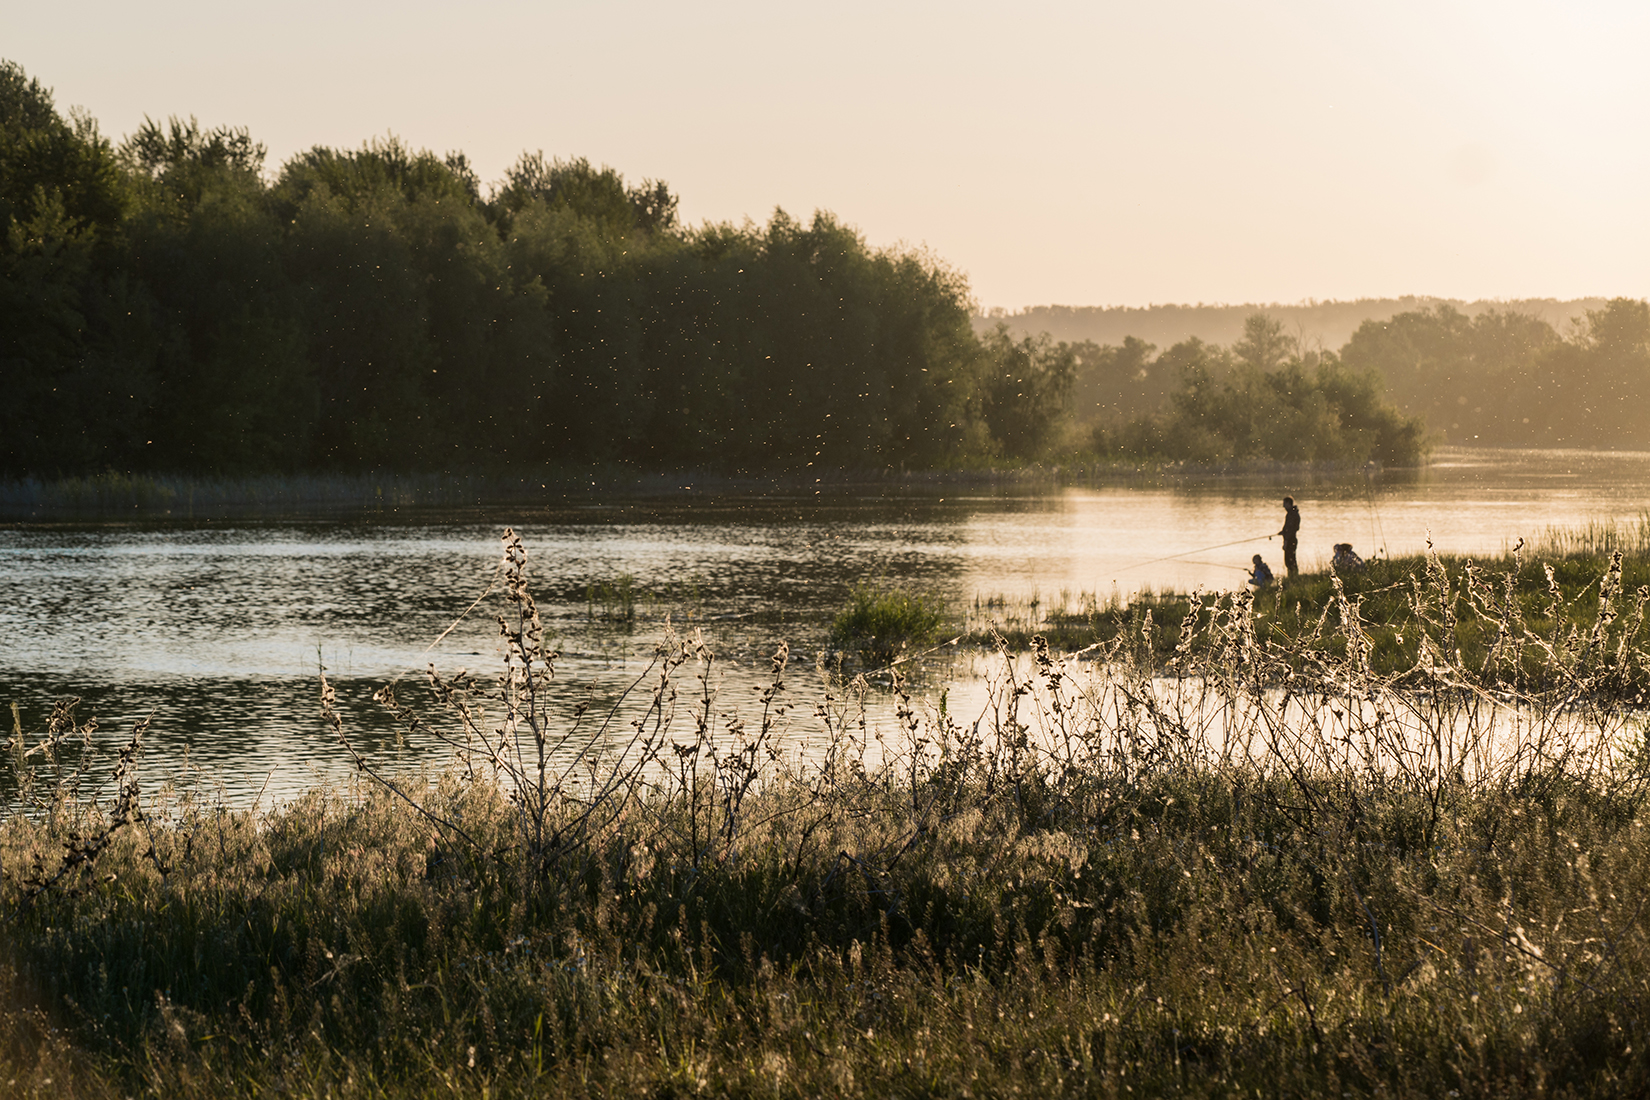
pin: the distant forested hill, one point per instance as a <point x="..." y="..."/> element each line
<point x="1530" y="373"/>
<point x="1325" y="325"/>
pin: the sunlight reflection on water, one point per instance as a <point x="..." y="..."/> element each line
<point x="217" y="628"/>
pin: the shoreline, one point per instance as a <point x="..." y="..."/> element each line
<point x="115" y="496"/>
<point x="118" y="496"/>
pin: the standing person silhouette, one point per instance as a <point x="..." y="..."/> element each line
<point x="1291" y="535"/>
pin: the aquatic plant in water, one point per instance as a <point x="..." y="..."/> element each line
<point x="881" y="621"/>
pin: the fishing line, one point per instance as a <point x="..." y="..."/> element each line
<point x="1199" y="550"/>
<point x="1374" y="512"/>
<point x="405" y="672"/>
<point x="498" y="571"/>
<point x="466" y="613"/>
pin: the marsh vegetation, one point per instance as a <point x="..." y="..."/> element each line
<point x="1262" y="864"/>
<point x="1559" y="604"/>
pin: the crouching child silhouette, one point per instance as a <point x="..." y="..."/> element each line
<point x="1260" y="576"/>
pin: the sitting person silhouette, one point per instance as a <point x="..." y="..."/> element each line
<point x="1260" y="576"/>
<point x="1346" y="559"/>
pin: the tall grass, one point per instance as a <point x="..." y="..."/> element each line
<point x="116" y="493"/>
<point x="616" y="600"/>
<point x="1262" y="866"/>
<point x="1513" y="620"/>
<point x="1594" y="539"/>
<point x="157" y="495"/>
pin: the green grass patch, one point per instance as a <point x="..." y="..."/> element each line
<point x="882" y="621"/>
<point x="616" y="600"/>
<point x="1511" y="617"/>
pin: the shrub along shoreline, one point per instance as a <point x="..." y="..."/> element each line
<point x="1112" y="881"/>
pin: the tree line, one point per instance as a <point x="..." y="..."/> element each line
<point x="1506" y="378"/>
<point x="167" y="303"/>
<point x="1501" y="378"/>
<point x="1327" y="323"/>
<point x="1265" y="397"/>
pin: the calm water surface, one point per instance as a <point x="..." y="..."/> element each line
<point x="217" y="628"/>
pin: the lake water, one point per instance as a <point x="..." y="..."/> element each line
<point x="217" y="628"/>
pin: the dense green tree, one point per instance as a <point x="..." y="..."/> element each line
<point x="364" y="180"/>
<point x="1467" y="377"/>
<point x="492" y="336"/>
<point x="1116" y="382"/>
<point x="186" y="163"/>
<point x="796" y="345"/>
<point x="598" y="195"/>
<point x="169" y="306"/>
<point x="366" y="330"/>
<point x="1026" y="391"/>
<point x="172" y="307"/>
<point x="1265" y="345"/>
<point x="1296" y="411"/>
<point x="54" y="172"/>
<point x="1593" y="390"/>
<point x="72" y="392"/>
<point x="427" y="348"/>
<point x="598" y="401"/>
<point x="933" y="363"/>
<point x="1368" y="424"/>
<point x="230" y="378"/>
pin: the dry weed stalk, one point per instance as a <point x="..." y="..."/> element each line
<point x="71" y="804"/>
<point x="1311" y="710"/>
<point x="572" y="772"/>
<point x="1260" y="859"/>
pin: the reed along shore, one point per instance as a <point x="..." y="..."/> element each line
<point x="1265" y="865"/>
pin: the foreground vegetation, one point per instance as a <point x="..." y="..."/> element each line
<point x="1274" y="870"/>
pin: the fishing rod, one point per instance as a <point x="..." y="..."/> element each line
<point x="1218" y="565"/>
<point x="1199" y="550"/>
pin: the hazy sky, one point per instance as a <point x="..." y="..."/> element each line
<point x="1084" y="153"/>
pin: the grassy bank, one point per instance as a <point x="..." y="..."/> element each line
<point x="1517" y="618"/>
<point x="1106" y="883"/>
<point x="1192" y="933"/>
<point x="158" y="496"/>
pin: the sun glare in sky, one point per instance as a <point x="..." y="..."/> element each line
<point x="1078" y="153"/>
